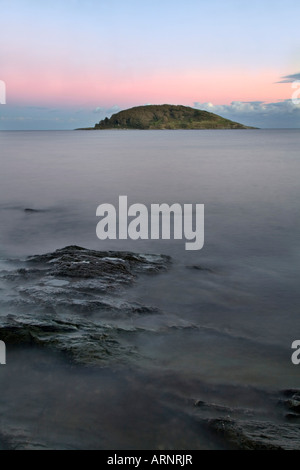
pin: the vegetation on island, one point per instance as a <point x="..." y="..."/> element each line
<point x="166" y="117"/>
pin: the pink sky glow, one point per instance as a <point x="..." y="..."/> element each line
<point x="58" y="88"/>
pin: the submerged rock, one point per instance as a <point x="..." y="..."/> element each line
<point x="293" y="401"/>
<point x="78" y="262"/>
<point x="12" y="438"/>
<point x="64" y="300"/>
<point x="28" y="210"/>
<point x="77" y="277"/>
<point x="257" y="435"/>
<point x="84" y="342"/>
<point x="204" y="269"/>
<point x="262" y="427"/>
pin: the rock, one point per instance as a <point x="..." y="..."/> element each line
<point x="293" y="401"/>
<point x="18" y="439"/>
<point x="28" y="210"/>
<point x="81" y="279"/>
<point x="211" y="409"/>
<point x="293" y="404"/>
<point x="75" y="261"/>
<point x="197" y="267"/>
<point x="83" y="342"/>
<point x="257" y="435"/>
<point x="261" y="427"/>
<point x="63" y="300"/>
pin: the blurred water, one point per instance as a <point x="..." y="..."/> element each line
<point x="241" y="291"/>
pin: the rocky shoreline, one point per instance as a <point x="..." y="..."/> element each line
<point x="74" y="302"/>
<point x="64" y="298"/>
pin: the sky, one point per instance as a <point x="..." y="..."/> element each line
<point x="69" y="63"/>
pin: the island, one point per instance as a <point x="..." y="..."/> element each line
<point x="166" y="116"/>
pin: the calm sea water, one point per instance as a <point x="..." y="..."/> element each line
<point x="241" y="306"/>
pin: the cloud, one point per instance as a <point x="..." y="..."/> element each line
<point x="99" y="109"/>
<point x="283" y="113"/>
<point x="107" y="111"/>
<point x="290" y="78"/>
<point x="251" y="107"/>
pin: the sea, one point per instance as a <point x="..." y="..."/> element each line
<point x="216" y="343"/>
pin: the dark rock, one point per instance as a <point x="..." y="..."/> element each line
<point x="84" y="342"/>
<point x="293" y="401"/>
<point x="260" y="427"/>
<point x="257" y="435"/>
<point x="201" y="268"/>
<point x="64" y="300"/>
<point x="78" y="262"/>
<point x="12" y="438"/>
<point x="31" y="211"/>
<point x="293" y="404"/>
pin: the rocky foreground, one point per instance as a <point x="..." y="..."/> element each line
<point x="74" y="302"/>
<point x="62" y="299"/>
<point x="248" y="429"/>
